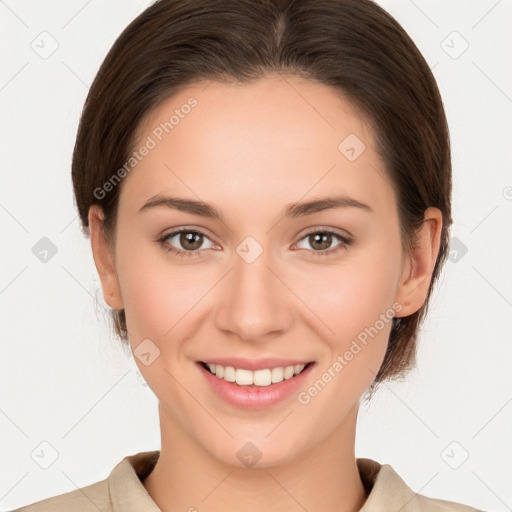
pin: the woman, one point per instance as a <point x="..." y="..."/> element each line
<point x="266" y="186"/>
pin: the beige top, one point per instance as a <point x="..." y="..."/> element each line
<point x="122" y="491"/>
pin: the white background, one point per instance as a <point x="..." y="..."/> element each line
<point x="66" y="382"/>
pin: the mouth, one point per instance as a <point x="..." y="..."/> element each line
<point x="261" y="377"/>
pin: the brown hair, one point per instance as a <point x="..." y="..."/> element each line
<point x="353" y="46"/>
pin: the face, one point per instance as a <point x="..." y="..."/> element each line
<point x="313" y="285"/>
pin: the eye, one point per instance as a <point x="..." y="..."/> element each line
<point x="190" y="240"/>
<point x="322" y="239"/>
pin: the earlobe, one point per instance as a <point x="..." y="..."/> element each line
<point x="417" y="273"/>
<point x="103" y="259"/>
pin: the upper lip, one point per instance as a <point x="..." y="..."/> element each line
<point x="255" y="364"/>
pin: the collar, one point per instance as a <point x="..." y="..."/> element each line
<point x="387" y="491"/>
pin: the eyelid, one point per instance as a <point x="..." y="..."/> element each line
<point x="315" y="229"/>
<point x="186" y="229"/>
<point x="189" y="229"/>
<point x="344" y="236"/>
<point x="326" y="229"/>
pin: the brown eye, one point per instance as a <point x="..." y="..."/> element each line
<point x="191" y="240"/>
<point x="321" y="242"/>
<point x="184" y="242"/>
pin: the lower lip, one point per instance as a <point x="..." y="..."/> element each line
<point x="254" y="397"/>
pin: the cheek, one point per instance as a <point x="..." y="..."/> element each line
<point x="160" y="301"/>
<point x="355" y="304"/>
<point x="359" y="320"/>
<point x="351" y="298"/>
<point x="156" y="294"/>
<point x="157" y="298"/>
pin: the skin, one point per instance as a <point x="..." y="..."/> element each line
<point x="250" y="150"/>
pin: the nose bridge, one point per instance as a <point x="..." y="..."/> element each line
<point x="253" y="302"/>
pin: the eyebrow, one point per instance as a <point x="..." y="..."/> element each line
<point x="293" y="210"/>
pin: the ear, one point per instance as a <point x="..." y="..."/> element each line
<point x="104" y="259"/>
<point x="417" y="272"/>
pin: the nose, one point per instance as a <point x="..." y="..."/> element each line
<point x="254" y="302"/>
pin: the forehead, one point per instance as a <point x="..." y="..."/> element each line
<point x="278" y="139"/>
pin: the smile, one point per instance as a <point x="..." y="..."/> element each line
<point x="263" y="377"/>
<point x="267" y="383"/>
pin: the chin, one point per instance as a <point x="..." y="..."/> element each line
<point x="246" y="452"/>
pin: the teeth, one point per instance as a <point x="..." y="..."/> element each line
<point x="258" y="378"/>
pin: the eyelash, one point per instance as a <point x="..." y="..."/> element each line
<point x="345" y="241"/>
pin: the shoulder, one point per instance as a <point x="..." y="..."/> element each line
<point x="387" y="492"/>
<point x="91" y="498"/>
<point x="424" y="503"/>
<point x="121" y="490"/>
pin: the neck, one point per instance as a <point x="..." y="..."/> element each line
<point x="187" y="477"/>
